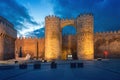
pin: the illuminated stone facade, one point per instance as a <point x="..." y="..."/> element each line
<point x="107" y="41"/>
<point x="84" y="26"/>
<point x="32" y="46"/>
<point x="52" y="38"/>
<point x="7" y="39"/>
<point x="84" y="45"/>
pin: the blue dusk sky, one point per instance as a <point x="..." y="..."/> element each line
<point x="28" y="16"/>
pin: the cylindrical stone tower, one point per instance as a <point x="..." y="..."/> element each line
<point x="85" y="44"/>
<point x="52" y="38"/>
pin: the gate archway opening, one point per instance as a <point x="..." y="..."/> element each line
<point x="68" y="30"/>
<point x="69" y="42"/>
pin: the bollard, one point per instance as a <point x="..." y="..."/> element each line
<point x="23" y="66"/>
<point x="53" y="65"/>
<point x="99" y="59"/>
<point x="45" y="61"/>
<point x="6" y="67"/>
<point x="16" y="62"/>
<point x="37" y="66"/>
<point x="73" y="65"/>
<point x="80" y="65"/>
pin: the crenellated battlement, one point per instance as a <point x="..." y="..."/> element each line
<point x="67" y="19"/>
<point x="107" y="32"/>
<point x="28" y="38"/>
<point x="52" y="17"/>
<point x="85" y="14"/>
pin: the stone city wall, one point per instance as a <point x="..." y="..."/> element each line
<point x="107" y="41"/>
<point x="32" y="46"/>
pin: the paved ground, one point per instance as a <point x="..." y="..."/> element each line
<point x="92" y="70"/>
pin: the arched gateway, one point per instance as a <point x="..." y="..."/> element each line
<point x="53" y="36"/>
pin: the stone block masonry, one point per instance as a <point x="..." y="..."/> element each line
<point x="32" y="46"/>
<point x="85" y="44"/>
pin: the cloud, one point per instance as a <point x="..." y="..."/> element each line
<point x="73" y="7"/>
<point x="32" y="31"/>
<point x="19" y="16"/>
<point x="106" y="12"/>
<point x="40" y="33"/>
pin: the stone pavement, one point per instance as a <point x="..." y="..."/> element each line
<point x="92" y="70"/>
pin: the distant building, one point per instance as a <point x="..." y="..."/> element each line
<point x="7" y="39"/>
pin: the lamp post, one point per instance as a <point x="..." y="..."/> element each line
<point x="37" y="50"/>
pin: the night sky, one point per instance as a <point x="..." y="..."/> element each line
<point x="28" y="15"/>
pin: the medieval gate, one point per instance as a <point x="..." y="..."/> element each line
<point x="53" y="36"/>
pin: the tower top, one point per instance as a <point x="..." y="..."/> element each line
<point x="85" y="14"/>
<point x="52" y="17"/>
